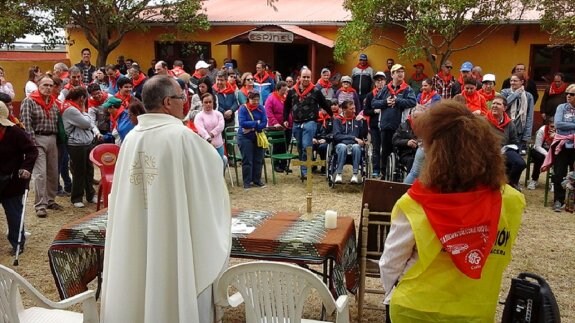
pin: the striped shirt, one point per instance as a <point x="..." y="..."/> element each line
<point x="35" y="120"/>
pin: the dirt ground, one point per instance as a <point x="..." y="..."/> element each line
<point x="544" y="246"/>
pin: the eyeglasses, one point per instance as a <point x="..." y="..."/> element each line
<point x="449" y="67"/>
<point x="249" y="79"/>
<point x="232" y="76"/>
<point x="570" y="94"/>
<point x="181" y="97"/>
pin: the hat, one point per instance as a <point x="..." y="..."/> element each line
<point x="112" y="102"/>
<point x="4" y="112"/>
<point x="363" y="57"/>
<point x="378" y="75"/>
<point x="253" y="93"/>
<point x="466" y="67"/>
<point x="325" y="69"/>
<point x="488" y="78"/>
<point x="397" y="67"/>
<point x="418" y="64"/>
<point x="345" y="79"/>
<point x="202" y="64"/>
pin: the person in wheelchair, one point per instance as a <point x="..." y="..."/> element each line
<point x="324" y="134"/>
<point x="405" y="141"/>
<point x="348" y="137"/>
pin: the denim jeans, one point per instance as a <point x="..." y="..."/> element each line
<point x="376" y="149"/>
<point x="416" y="167"/>
<point x="13" y="209"/>
<point x="304" y="133"/>
<point x="252" y="160"/>
<point x="341" y="153"/>
<point x="514" y="166"/>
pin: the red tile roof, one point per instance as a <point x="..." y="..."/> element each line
<point x="32" y="56"/>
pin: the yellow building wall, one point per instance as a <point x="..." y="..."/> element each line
<point x="496" y="55"/>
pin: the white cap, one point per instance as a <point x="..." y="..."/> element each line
<point x="202" y="64"/>
<point x="488" y="78"/>
<point x="4" y="115"/>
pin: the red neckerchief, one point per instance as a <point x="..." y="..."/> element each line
<point x="227" y="90"/>
<point x="59" y="104"/>
<point x="139" y="79"/>
<point x="553" y="90"/>
<point x="324" y="84"/>
<point x="92" y="103"/>
<point x="69" y="104"/>
<point x="233" y="85"/>
<point x="362" y="66"/>
<point x="475" y="101"/>
<point x="192" y="126"/>
<point x="465" y="223"/>
<point x="245" y="91"/>
<point x="303" y="94"/>
<point x="348" y="89"/>
<point x="177" y="71"/>
<point x="495" y="121"/>
<point x="260" y="79"/>
<point x="426" y="97"/>
<point x="16" y="121"/>
<point x="279" y="96"/>
<point x="323" y="117"/>
<point x="445" y="78"/>
<point x="251" y="107"/>
<point x="547" y="138"/>
<point x="460" y="79"/>
<point x="65" y="75"/>
<point x="46" y="106"/>
<point x="418" y="78"/>
<point x="197" y="74"/>
<point x="488" y="96"/>
<point x="375" y="91"/>
<point x="125" y="102"/>
<point x="402" y="87"/>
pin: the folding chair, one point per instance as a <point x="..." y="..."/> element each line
<point x="277" y="138"/>
<point x="378" y="200"/>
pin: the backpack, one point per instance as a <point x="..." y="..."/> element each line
<point x="530" y="300"/>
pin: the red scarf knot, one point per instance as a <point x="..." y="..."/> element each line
<point x="41" y="101"/>
<point x="307" y="90"/>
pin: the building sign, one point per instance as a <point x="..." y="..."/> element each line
<point x="270" y="36"/>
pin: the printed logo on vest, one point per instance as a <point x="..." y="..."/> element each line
<point x="474" y="257"/>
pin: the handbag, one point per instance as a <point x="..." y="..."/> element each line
<point x="261" y="138"/>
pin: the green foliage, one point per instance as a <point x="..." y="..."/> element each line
<point x="19" y="18"/>
<point x="430" y="27"/>
<point x="106" y="22"/>
<point x="559" y="20"/>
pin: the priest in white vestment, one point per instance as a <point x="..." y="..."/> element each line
<point x="168" y="236"/>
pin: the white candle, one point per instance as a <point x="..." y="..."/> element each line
<point x="330" y="219"/>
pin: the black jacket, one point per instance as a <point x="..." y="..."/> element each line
<point x="402" y="135"/>
<point x="18" y="152"/>
<point x="305" y="109"/>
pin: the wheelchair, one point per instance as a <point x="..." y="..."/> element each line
<point x="365" y="165"/>
<point x="395" y="171"/>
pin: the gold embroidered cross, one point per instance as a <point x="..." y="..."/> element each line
<point x="143" y="172"/>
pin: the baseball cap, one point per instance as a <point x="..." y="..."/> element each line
<point x="397" y="67"/>
<point x="363" y="57"/>
<point x="345" y="79"/>
<point x="378" y="75"/>
<point x="4" y="112"/>
<point x="325" y="69"/>
<point x="202" y="64"/>
<point x="112" y="102"/>
<point x="488" y="78"/>
<point x="418" y="64"/>
<point x="466" y="67"/>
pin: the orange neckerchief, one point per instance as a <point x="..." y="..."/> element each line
<point x="460" y="79"/>
<point x="496" y="121"/>
<point x="324" y="84"/>
<point x="488" y="96"/>
<point x="92" y="103"/>
<point x="245" y="90"/>
<point x="279" y="96"/>
<point x="139" y="79"/>
<point x="322" y="118"/>
<point x="553" y="90"/>
<point x="362" y="66"/>
<point x="475" y="101"/>
<point x="306" y="91"/>
<point x="16" y="121"/>
<point x="233" y="85"/>
<point x="197" y="74"/>
<point x="418" y="78"/>
<point x="260" y="79"/>
<point x="177" y="71"/>
<point x="251" y="107"/>
<point x="65" y="75"/>
<point x="402" y="87"/>
<point x="445" y="78"/>
<point x="426" y="97"/>
<point x="46" y="106"/>
<point x="465" y="223"/>
<point x="227" y="90"/>
<point x="348" y="89"/>
<point x="125" y="102"/>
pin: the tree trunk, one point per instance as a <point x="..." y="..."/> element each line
<point x="103" y="52"/>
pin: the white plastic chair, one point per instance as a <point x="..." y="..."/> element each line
<point x="276" y="292"/>
<point x="12" y="310"/>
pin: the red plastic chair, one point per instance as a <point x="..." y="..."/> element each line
<point x="104" y="156"/>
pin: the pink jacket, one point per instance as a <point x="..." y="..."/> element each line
<point x="275" y="111"/>
<point x="211" y="123"/>
<point x="556" y="146"/>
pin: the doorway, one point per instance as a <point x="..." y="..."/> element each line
<point x="289" y="58"/>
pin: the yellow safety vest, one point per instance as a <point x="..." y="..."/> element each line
<point x="434" y="290"/>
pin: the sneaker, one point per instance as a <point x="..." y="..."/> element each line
<point x="260" y="184"/>
<point x="531" y="185"/>
<point x="338" y="178"/>
<point x="247" y="186"/>
<point x="354" y="179"/>
<point x="55" y="206"/>
<point x="79" y="205"/>
<point x="94" y="200"/>
<point x="41" y="213"/>
<point x="557" y="206"/>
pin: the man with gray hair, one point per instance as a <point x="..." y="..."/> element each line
<point x="74" y="81"/>
<point x="171" y="208"/>
<point x="61" y="71"/>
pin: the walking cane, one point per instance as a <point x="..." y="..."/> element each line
<point x="21" y="226"/>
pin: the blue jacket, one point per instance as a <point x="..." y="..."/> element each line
<point x="345" y="132"/>
<point x="246" y="122"/>
<point x="565" y="121"/>
<point x="391" y="116"/>
<point x="265" y="87"/>
<point x="227" y="102"/>
<point x="124" y="125"/>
